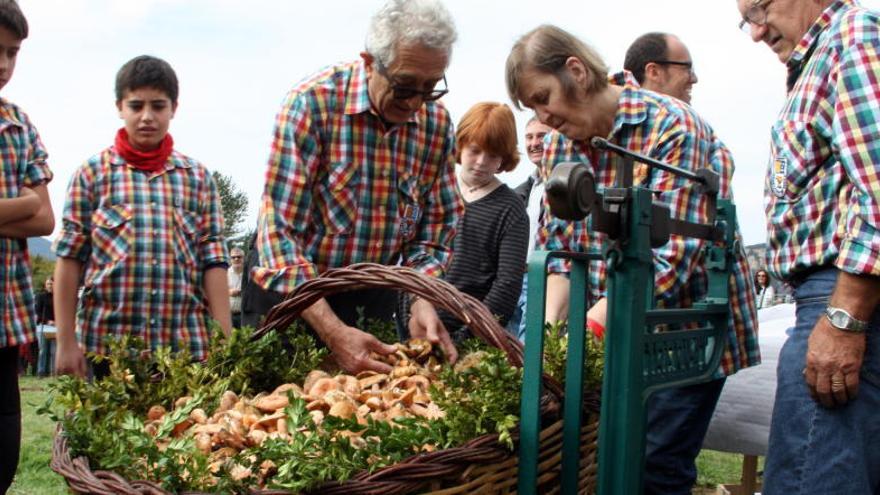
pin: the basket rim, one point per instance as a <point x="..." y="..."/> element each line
<point x="399" y="478"/>
<point x="440" y="293"/>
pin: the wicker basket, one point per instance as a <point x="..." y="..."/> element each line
<point x="480" y="466"/>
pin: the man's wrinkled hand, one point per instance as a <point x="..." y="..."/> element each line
<point x="425" y="324"/>
<point x="352" y="348"/>
<point x="834" y="359"/>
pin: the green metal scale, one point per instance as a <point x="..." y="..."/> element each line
<point x="638" y="359"/>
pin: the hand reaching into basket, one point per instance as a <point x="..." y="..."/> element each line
<point x="350" y="346"/>
<point x="425" y="324"/>
<point x="352" y="349"/>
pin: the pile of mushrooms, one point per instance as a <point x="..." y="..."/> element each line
<point x="240" y="422"/>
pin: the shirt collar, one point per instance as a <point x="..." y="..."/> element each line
<point x="631" y="107"/>
<point x="357" y="100"/>
<point x="537" y="177"/>
<point x="8" y="115"/>
<point x="802" y="50"/>
<point x="357" y="97"/>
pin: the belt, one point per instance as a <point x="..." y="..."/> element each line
<point x="802" y="276"/>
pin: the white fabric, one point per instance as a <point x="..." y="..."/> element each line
<point x="766" y="297"/>
<point x="536" y="197"/>
<point x="234" y="280"/>
<point x="741" y="423"/>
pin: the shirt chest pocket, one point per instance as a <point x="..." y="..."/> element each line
<point x="797" y="160"/>
<point x="186" y="236"/>
<point x="337" y="196"/>
<point x="112" y="233"/>
<point x="410" y="209"/>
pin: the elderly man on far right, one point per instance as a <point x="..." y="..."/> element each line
<point x="823" y="207"/>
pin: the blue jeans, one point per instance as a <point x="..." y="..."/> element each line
<point x="46" y="357"/>
<point x="813" y="449"/>
<point x="516" y="326"/>
<point x="677" y="421"/>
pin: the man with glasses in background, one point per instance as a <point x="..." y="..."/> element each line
<point x="661" y="63"/>
<point x="822" y="197"/>
<point x="362" y="170"/>
<point x="234" y="276"/>
<point x="677" y="418"/>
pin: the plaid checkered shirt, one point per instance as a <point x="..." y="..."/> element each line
<point x="145" y="240"/>
<point x="822" y="193"/>
<point x="668" y="130"/>
<point x="23" y="165"/>
<point x="341" y="188"/>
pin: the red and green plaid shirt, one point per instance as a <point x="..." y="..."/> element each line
<point x="668" y="130"/>
<point x="23" y="165"/>
<point x="145" y="240"/>
<point x="822" y="192"/>
<point x="343" y="189"/>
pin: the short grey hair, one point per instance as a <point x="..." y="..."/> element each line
<point x="424" y="22"/>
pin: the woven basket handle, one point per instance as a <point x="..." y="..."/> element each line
<point x="440" y="293"/>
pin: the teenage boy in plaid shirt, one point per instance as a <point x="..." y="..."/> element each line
<point x="567" y="85"/>
<point x="142" y="224"/>
<point x="362" y="170"/>
<point x="25" y="212"/>
<point x="822" y="197"/>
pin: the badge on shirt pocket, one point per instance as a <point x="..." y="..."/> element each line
<point x="411" y="215"/>
<point x="779" y="178"/>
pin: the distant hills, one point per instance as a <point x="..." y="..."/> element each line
<point x="40" y="246"/>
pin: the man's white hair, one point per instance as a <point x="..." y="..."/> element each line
<point x="424" y="22"/>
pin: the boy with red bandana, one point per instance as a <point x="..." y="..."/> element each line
<point x="142" y="223"/>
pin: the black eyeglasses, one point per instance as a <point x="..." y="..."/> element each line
<point x="401" y="92"/>
<point x="688" y="65"/>
<point x="756" y="14"/>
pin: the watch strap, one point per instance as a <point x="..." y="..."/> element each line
<point x="841" y="319"/>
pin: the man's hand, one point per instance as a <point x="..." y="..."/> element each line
<point x="834" y="358"/>
<point x="69" y="359"/>
<point x="425" y="324"/>
<point x="352" y="348"/>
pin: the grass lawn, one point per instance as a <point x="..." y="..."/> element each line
<point x="35" y="478"/>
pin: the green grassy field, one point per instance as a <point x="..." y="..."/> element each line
<point x="35" y="478"/>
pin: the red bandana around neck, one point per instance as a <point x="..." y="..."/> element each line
<point x="148" y="161"/>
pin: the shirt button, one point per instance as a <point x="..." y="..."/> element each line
<point x="152" y="321"/>
<point x="155" y="262"/>
<point x="155" y="291"/>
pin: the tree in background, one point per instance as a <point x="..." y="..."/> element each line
<point x="234" y="203"/>
<point x="41" y="269"/>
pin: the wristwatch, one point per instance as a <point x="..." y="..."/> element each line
<point x="842" y="320"/>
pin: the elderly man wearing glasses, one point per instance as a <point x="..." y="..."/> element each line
<point x="362" y="170"/>
<point x="822" y="197"/>
<point x="233" y="277"/>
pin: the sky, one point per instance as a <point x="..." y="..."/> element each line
<point x="236" y="60"/>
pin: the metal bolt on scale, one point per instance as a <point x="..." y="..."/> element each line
<point x="638" y="359"/>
